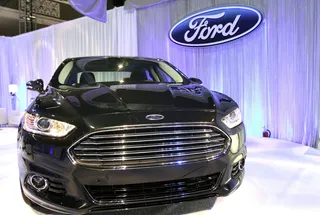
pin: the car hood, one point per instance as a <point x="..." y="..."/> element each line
<point x="143" y="97"/>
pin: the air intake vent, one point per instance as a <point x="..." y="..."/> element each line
<point x="150" y="193"/>
<point x="56" y="187"/>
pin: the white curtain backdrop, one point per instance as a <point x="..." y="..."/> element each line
<point x="273" y="73"/>
<point x="39" y="53"/>
<point x="5" y="98"/>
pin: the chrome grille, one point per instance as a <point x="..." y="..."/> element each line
<point x="150" y="145"/>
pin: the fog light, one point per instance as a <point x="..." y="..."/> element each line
<point x="38" y="182"/>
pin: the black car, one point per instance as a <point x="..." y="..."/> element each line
<point x="113" y="133"/>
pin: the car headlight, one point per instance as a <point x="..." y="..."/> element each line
<point x="233" y="119"/>
<point x="45" y="126"/>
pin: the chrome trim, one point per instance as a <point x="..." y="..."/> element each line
<point x="146" y="126"/>
<point x="148" y="145"/>
<point x="154" y="117"/>
<point x="153" y="140"/>
<point x="175" y="154"/>
<point x="155" y="125"/>
<point x="140" y="166"/>
<point x="43" y="188"/>
<point x="241" y="165"/>
<point x="150" y="134"/>
<point x="146" y="151"/>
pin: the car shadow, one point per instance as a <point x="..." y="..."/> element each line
<point x="175" y="209"/>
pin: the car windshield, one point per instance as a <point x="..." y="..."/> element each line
<point x="114" y="71"/>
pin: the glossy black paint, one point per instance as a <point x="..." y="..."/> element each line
<point x="36" y="85"/>
<point x="98" y="107"/>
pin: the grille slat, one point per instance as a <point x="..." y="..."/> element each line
<point x="96" y="147"/>
<point x="132" y="158"/>
<point x="135" y="193"/>
<point x="126" y="128"/>
<point x="146" y="134"/>
<point x="171" y="138"/>
<point x="147" y="151"/>
<point x="150" y="145"/>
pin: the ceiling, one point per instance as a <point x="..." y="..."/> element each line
<point x="9" y="21"/>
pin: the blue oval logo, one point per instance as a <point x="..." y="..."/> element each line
<point x="215" y="26"/>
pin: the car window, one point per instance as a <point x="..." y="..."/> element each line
<point x="113" y="71"/>
<point x="171" y="72"/>
<point x="165" y="76"/>
<point x="149" y="76"/>
<point x="106" y="76"/>
<point x="65" y="72"/>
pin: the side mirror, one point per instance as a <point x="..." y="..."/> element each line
<point x="36" y="85"/>
<point x="195" y="80"/>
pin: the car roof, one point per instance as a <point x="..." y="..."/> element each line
<point x="119" y="57"/>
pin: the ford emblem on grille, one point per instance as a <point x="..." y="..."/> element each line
<point x="154" y="117"/>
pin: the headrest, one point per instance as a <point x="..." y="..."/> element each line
<point x="138" y="76"/>
<point x="87" y="78"/>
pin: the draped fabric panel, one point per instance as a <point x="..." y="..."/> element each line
<point x="94" y="9"/>
<point x="5" y="98"/>
<point x="39" y="53"/>
<point x="129" y="4"/>
<point x="273" y="73"/>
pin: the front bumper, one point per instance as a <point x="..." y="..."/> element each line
<point x="224" y="190"/>
<point x="74" y="198"/>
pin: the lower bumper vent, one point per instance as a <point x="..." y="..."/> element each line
<point x="56" y="187"/>
<point x="151" y="193"/>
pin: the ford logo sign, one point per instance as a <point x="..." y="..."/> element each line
<point x="154" y="117"/>
<point x="215" y="26"/>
